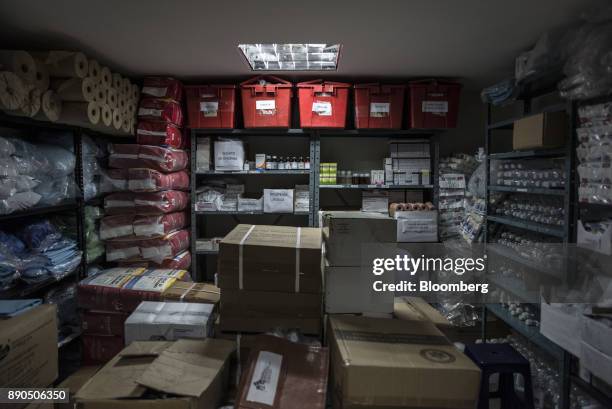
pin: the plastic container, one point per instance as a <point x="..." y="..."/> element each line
<point x="266" y="102"/>
<point x="434" y="104"/>
<point x="323" y="104"/>
<point x="211" y="106"/>
<point x="379" y="106"/>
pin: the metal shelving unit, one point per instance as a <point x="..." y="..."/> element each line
<point x="381" y="187"/>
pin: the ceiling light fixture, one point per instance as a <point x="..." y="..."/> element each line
<point x="291" y="57"/>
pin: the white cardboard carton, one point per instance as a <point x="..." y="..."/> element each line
<point x="375" y="201"/>
<point x="229" y="154"/>
<point x="157" y="321"/>
<point x="349" y="290"/>
<point x="562" y="324"/>
<point x="250" y="205"/>
<point x="597" y="241"/>
<point x="203" y="154"/>
<point x="278" y="200"/>
<point x="420" y="226"/>
<point x="301" y="199"/>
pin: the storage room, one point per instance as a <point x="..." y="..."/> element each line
<point x="323" y="205"/>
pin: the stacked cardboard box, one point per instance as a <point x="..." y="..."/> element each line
<point x="390" y="363"/>
<point x="270" y="277"/>
<point x="108" y="298"/>
<point x="348" y="277"/>
<point x="409" y="163"/>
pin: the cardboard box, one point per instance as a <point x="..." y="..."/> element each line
<point x="229" y="154"/>
<point x="561" y="323"/>
<point x="99" y="349"/>
<point x="29" y="355"/>
<point x="347" y="231"/>
<point x="192" y="372"/>
<point x="417" y="309"/>
<point x="168" y="321"/>
<point x="388" y="363"/>
<point x="599" y="241"/>
<point x="250" y="205"/>
<point x="597" y="332"/>
<point x="301" y="199"/>
<point x="260" y="161"/>
<point x="262" y="324"/>
<point x="278" y="201"/>
<point x="103" y="322"/>
<point x="545" y="130"/>
<point x="283" y="375"/>
<point x="597" y="362"/>
<point x="203" y="154"/>
<point x="349" y="290"/>
<point x="74" y="383"/>
<point x="375" y="201"/>
<point x="192" y="292"/>
<point x="269" y="259"/>
<point x="409" y="150"/>
<point x="417" y="226"/>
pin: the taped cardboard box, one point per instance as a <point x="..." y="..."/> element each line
<point x="193" y="372"/>
<point x="392" y="364"/>
<point x="168" y="321"/>
<point x="347" y="231"/>
<point x="29" y="356"/>
<point x="545" y="130"/>
<point x="417" y="309"/>
<point x="283" y="375"/>
<point x="271" y="258"/>
<point x="75" y="382"/>
<point x="192" y="292"/>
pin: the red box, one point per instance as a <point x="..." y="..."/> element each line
<point x="434" y="104"/>
<point x="99" y="349"/>
<point x="103" y="322"/>
<point x="211" y="106"/>
<point x="379" y="106"/>
<point x="266" y="102"/>
<point x="323" y="104"/>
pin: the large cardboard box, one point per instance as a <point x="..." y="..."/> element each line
<point x="349" y="290"/>
<point x="283" y="375"/>
<point x="597" y="332"/>
<point x="192" y="292"/>
<point x="28" y="352"/>
<point x="391" y="363"/>
<point x="545" y="130"/>
<point x="347" y="231"/>
<point x="271" y="258"/>
<point x="596" y="361"/>
<point x="417" y="226"/>
<point x="562" y="324"/>
<point x="417" y="309"/>
<point x="74" y="382"/>
<point x="192" y="372"/>
<point x="261" y="311"/>
<point x="168" y="321"/>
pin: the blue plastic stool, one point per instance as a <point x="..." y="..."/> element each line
<point x="506" y="361"/>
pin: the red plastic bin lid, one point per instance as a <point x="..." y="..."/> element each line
<point x="433" y="81"/>
<point x="323" y="86"/>
<point x="210" y="86"/>
<point x="275" y="82"/>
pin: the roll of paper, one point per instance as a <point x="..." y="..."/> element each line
<point x="126" y="87"/>
<point x="85" y="114"/>
<point x="126" y="125"/>
<point x="135" y="92"/>
<point x="100" y="94"/>
<point x="111" y="98"/>
<point x="106" y="77"/>
<point x="51" y="107"/>
<point x="12" y="91"/>
<point x="76" y="89"/>
<point x="64" y="64"/>
<point x="106" y="114"/>
<point x="21" y="63"/>
<point x="117" y="80"/>
<point x="42" y="76"/>
<point x="117" y="119"/>
<point x="31" y="103"/>
<point x="94" y="69"/>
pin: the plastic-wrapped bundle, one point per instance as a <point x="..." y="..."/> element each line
<point x="10" y="249"/>
<point x="113" y="180"/>
<point x="155" y="249"/>
<point x="64" y="297"/>
<point x="146" y="203"/>
<point x="181" y="261"/>
<point x="152" y="109"/>
<point x="501" y="93"/>
<point x="149" y="226"/>
<point x="162" y="87"/>
<point x="91" y="168"/>
<point x="6" y="147"/>
<point x="54" y="191"/>
<point x="123" y="156"/>
<point x="150" y="180"/>
<point x="117" y="226"/>
<point x="159" y="133"/>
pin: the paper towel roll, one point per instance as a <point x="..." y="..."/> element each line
<point x="121" y="104"/>
<point x="125" y="125"/>
<point x="106" y="77"/>
<point x="111" y="98"/>
<point x="126" y="86"/>
<point x="106" y="114"/>
<point x="94" y="69"/>
<point x="21" y="63"/>
<point x="117" y="119"/>
<point x="76" y="89"/>
<point x="117" y="80"/>
<point x="31" y="103"/>
<point x="135" y="92"/>
<point x="42" y="75"/>
<point x="100" y="94"/>
<point x="12" y="91"/>
<point x="64" y="64"/>
<point x="85" y="114"/>
<point x="51" y="107"/>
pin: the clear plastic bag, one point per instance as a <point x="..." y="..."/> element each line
<point x="54" y="191"/>
<point x="6" y="147"/>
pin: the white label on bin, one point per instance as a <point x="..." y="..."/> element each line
<point x="435" y="106"/>
<point x="264" y="381"/>
<point x="379" y="109"/>
<point x="149" y="112"/>
<point x="155" y="91"/>
<point x="265" y="104"/>
<point x="152" y="133"/>
<point x="322" y="108"/>
<point x="209" y="108"/>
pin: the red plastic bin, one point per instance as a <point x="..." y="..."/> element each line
<point x="211" y="106"/>
<point x="323" y="104"/>
<point x="379" y="106"/>
<point x="434" y="104"/>
<point x="266" y="102"/>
